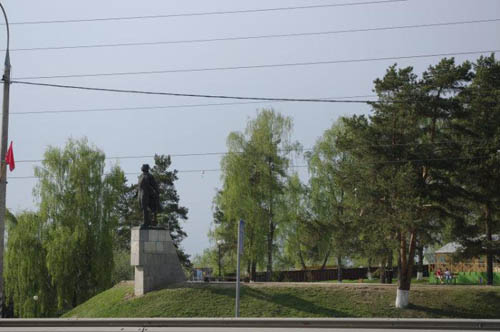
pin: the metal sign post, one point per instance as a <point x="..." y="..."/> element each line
<point x="241" y="229"/>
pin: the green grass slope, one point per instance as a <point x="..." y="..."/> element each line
<point x="293" y="300"/>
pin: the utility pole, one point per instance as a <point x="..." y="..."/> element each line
<point x="3" y="151"/>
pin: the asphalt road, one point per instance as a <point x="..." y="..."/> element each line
<point x="197" y="329"/>
<point x="246" y="324"/>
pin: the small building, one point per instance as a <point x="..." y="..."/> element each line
<point x="466" y="270"/>
<point x="201" y="273"/>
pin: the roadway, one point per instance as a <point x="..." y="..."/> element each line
<point x="247" y="324"/>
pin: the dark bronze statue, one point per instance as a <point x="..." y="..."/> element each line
<point x="149" y="197"/>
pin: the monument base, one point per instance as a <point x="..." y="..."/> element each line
<point x="155" y="259"/>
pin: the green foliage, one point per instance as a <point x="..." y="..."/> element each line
<point x="122" y="268"/>
<point x="300" y="236"/>
<point x="171" y="214"/>
<point x="209" y="258"/>
<point x="26" y="274"/>
<point x="254" y="176"/>
<point x="477" y="178"/>
<point x="77" y="209"/>
<point x="333" y="200"/>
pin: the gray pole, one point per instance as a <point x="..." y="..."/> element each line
<point x="241" y="228"/>
<point x="3" y="151"/>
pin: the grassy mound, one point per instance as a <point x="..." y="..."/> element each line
<point x="294" y="300"/>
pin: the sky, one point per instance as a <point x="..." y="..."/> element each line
<point x="169" y="125"/>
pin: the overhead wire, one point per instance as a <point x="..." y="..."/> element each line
<point x="304" y="166"/>
<point x="225" y="12"/>
<point x="237" y="38"/>
<point x="275" y="65"/>
<point x="152" y="156"/>
<point x="174" y="94"/>
<point x="160" y="107"/>
<point x="474" y="144"/>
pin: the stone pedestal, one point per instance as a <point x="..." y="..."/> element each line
<point x="154" y="257"/>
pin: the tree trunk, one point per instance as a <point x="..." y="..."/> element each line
<point x="389" y="269"/>
<point x="369" y="273"/>
<point x="302" y="262"/>
<point x="407" y="252"/>
<point x="382" y="271"/>
<point x="420" y="266"/>
<point x="270" y="234"/>
<point x="253" y="271"/>
<point x="269" y="270"/>
<point x="339" y="268"/>
<point x="249" y="269"/>
<point x="489" y="254"/>
<point x="325" y="260"/>
<point x="399" y="263"/>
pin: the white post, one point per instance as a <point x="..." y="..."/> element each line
<point x="241" y="228"/>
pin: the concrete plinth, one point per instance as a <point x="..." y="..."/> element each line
<point x="154" y="257"/>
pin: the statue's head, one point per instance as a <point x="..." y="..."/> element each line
<point x="145" y="168"/>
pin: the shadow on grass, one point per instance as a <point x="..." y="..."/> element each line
<point x="283" y="300"/>
<point x="295" y="303"/>
<point x="453" y="311"/>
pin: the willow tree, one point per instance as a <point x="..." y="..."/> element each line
<point x="254" y="173"/>
<point x="77" y="203"/>
<point x="27" y="281"/>
<point x="302" y="237"/>
<point x="332" y="199"/>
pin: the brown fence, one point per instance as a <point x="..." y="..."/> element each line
<point x="323" y="275"/>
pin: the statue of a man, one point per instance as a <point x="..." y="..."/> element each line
<point x="149" y="197"/>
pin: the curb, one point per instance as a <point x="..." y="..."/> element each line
<point x="346" y="323"/>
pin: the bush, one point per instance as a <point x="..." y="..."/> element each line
<point x="122" y="268"/>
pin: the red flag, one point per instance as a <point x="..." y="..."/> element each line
<point x="9" y="158"/>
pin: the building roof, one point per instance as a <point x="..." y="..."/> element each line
<point x="449" y="248"/>
<point x="452" y="247"/>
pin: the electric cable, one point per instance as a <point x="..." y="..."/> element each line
<point x="314" y="100"/>
<point x="226" y="12"/>
<point x="197" y="154"/>
<point x="286" y="35"/>
<point x="112" y="109"/>
<point x="275" y="65"/>
<point x="303" y="166"/>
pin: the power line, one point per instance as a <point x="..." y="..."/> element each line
<point x="113" y="109"/>
<point x="276" y="65"/>
<point x="152" y="156"/>
<point x="178" y="171"/>
<point x="193" y="95"/>
<point x="289" y="35"/>
<point x="464" y="143"/>
<point x="304" y="166"/>
<point x="245" y="11"/>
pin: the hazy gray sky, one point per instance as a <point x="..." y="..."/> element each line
<point x="204" y="129"/>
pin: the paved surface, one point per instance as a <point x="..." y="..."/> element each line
<point x="246" y="324"/>
<point x="197" y="329"/>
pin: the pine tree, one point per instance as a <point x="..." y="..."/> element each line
<point x="477" y="180"/>
<point x="171" y="214"/>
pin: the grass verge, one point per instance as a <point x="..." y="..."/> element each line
<point x="293" y="300"/>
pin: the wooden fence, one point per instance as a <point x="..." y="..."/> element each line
<point x="326" y="274"/>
